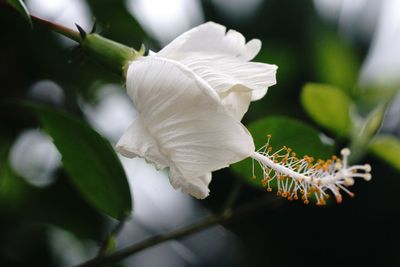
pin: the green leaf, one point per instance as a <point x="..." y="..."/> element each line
<point x="387" y="147"/>
<point x="329" y="106"/>
<point x="363" y="130"/>
<point x="374" y="120"/>
<point x="13" y="189"/>
<point x="303" y="139"/>
<point x="90" y="161"/>
<point x="61" y="205"/>
<point x="20" y="7"/>
<point x="336" y="61"/>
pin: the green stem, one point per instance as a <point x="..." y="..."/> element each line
<point x="111" y="54"/>
<point x="67" y="32"/>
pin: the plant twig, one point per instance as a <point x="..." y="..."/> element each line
<point x="232" y="197"/>
<point x="111" y="237"/>
<point x="211" y="220"/>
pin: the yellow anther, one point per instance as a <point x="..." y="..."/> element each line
<point x="348" y="181"/>
<point x="264" y="182"/>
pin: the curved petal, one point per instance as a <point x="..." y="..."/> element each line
<point x="230" y="76"/>
<point x="225" y="73"/>
<point x="258" y="94"/>
<point x="137" y="142"/>
<point x="237" y="103"/>
<point x="212" y="38"/>
<point x="185" y="118"/>
<point x="195" y="186"/>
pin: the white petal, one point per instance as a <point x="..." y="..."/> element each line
<point x="137" y="142"/>
<point x="229" y="75"/>
<point x="211" y="38"/>
<point x="237" y="103"/>
<point x="258" y="94"/>
<point x="223" y="73"/>
<point x="185" y="117"/>
<point x="252" y="48"/>
<point x="195" y="186"/>
<point x="221" y="59"/>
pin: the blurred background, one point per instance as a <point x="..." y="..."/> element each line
<point x="352" y="46"/>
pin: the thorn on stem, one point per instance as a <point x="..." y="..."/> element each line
<point x="94" y="26"/>
<point x="82" y="32"/>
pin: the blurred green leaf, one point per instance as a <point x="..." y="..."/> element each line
<point x="387" y="147"/>
<point x="13" y="188"/>
<point x="20" y="7"/>
<point x="90" y="160"/>
<point x="374" y="120"/>
<point x="303" y="139"/>
<point x="372" y="97"/>
<point x="62" y="205"/>
<point x="336" y="62"/>
<point x="364" y="129"/>
<point x="328" y="105"/>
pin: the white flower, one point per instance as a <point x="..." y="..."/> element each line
<point x="190" y="98"/>
<point x="181" y="124"/>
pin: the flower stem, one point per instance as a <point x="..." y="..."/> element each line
<point x="113" y="55"/>
<point x="67" y="32"/>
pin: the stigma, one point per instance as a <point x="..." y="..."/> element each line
<point x="307" y="179"/>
